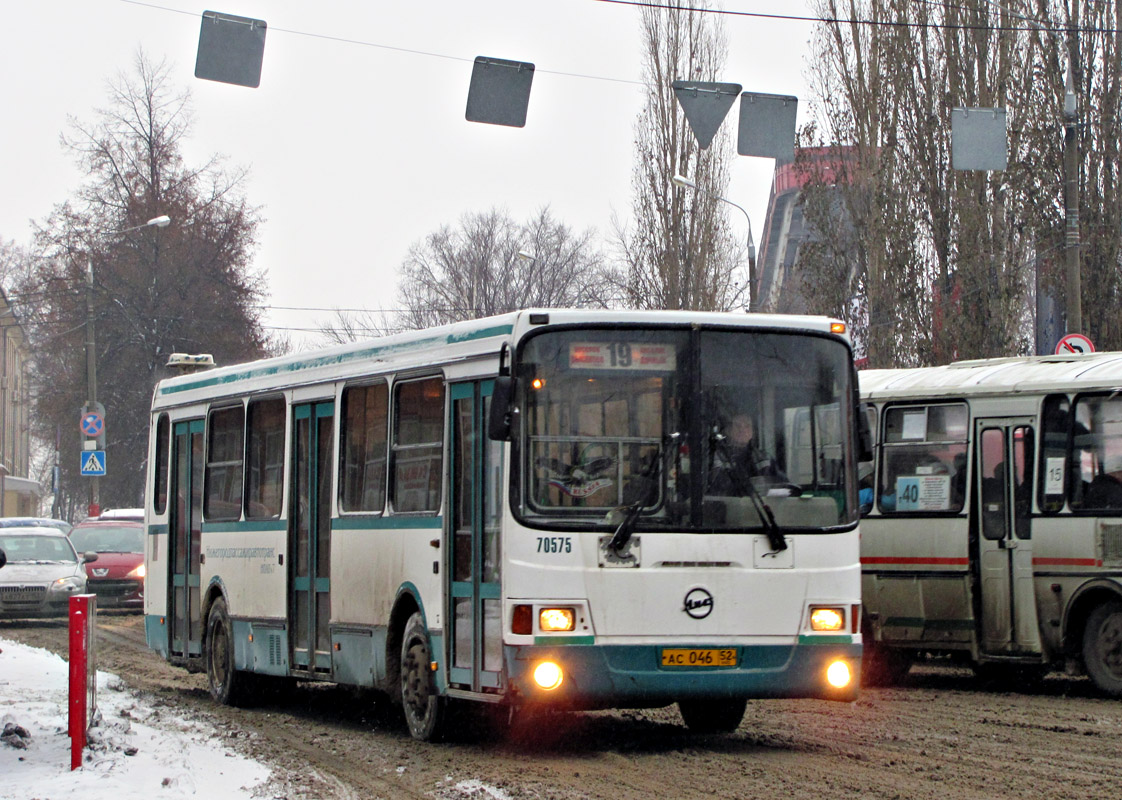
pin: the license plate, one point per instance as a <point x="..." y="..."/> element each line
<point x="701" y="657"/>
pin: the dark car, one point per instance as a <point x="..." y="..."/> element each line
<point x="118" y="576"/>
<point x="41" y="573"/>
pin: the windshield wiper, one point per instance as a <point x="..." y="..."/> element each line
<point x="771" y="528"/>
<point x="631" y="512"/>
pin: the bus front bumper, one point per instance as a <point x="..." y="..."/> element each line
<point x="633" y="676"/>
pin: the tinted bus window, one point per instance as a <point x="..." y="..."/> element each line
<point x="223" y="477"/>
<point x="418" y="431"/>
<point x="264" y="459"/>
<point x="363" y="448"/>
<point x="160" y="471"/>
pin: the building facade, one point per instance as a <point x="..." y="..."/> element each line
<point x="19" y="494"/>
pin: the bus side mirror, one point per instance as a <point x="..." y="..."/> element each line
<point x="501" y="417"/>
<point x="864" y="435"/>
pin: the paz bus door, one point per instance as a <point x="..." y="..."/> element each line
<point x="184" y="547"/>
<point x="1004" y="477"/>
<point x="309" y="544"/>
<point x="475" y="662"/>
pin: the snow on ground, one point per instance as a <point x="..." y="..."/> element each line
<point x="136" y="750"/>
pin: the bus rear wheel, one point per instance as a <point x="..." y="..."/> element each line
<point x="1102" y="647"/>
<point x="712" y="716"/>
<point x="424" y="708"/>
<point x="228" y="686"/>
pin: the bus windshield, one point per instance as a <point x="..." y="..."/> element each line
<point x="711" y="429"/>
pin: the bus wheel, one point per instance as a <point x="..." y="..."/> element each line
<point x="227" y="685"/>
<point x="424" y="708"/>
<point x="1102" y="647"/>
<point x="712" y="716"/>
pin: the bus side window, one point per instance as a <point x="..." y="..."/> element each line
<point x="1055" y="427"/>
<point x="923" y="457"/>
<point x="222" y="499"/>
<point x="1097" y="443"/>
<point x="418" y="445"/>
<point x="161" y="467"/>
<point x="264" y="458"/>
<point x="362" y="452"/>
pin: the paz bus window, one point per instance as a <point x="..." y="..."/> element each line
<point x="923" y="458"/>
<point x="1097" y="454"/>
<point x="1055" y="428"/>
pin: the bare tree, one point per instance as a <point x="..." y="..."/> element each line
<point x="187" y="287"/>
<point x="488" y="264"/>
<point x="949" y="259"/>
<point x="681" y="252"/>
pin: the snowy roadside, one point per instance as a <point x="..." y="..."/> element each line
<point x="136" y="750"/>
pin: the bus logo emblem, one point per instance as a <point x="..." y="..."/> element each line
<point x="698" y="603"/>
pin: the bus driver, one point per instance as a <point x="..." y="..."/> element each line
<point x="738" y="459"/>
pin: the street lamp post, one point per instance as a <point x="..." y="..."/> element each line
<point x="91" y="351"/>
<point x="753" y="299"/>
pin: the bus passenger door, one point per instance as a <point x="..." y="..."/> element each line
<point x="186" y="514"/>
<point x="309" y="534"/>
<point x="475" y="597"/>
<point x="1004" y="471"/>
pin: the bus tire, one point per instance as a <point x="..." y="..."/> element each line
<point x="712" y="716"/>
<point x="227" y="685"/>
<point x="423" y="707"/>
<point x="1102" y="647"/>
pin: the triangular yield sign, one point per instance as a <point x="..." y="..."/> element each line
<point x="705" y="105"/>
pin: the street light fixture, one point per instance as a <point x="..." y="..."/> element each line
<point x="92" y="405"/>
<point x="753" y="301"/>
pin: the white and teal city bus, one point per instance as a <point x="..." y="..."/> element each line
<point x="519" y="511"/>
<point x="994" y="517"/>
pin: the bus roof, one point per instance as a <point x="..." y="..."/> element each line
<point x="1020" y="374"/>
<point x="434" y="346"/>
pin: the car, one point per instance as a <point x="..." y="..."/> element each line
<point x="45" y="522"/>
<point x="118" y="577"/>
<point x="42" y="571"/>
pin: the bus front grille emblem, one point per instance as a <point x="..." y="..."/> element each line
<point x="698" y="603"/>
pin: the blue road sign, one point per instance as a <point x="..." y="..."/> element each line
<point x="93" y="463"/>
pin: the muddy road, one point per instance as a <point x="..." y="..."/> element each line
<point x="942" y="735"/>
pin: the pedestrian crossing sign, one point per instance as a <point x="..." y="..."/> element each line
<point x="93" y="463"/>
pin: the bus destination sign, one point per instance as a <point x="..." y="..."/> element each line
<point x="622" y="355"/>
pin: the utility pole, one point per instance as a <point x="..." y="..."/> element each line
<point x="1071" y="183"/>
<point x="91" y="381"/>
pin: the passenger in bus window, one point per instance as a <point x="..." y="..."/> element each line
<point x="865" y="486"/>
<point x="958" y="481"/>
<point x="738" y="458"/>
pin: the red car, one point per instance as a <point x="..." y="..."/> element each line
<point x="117" y="577"/>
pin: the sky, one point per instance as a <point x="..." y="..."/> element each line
<point x="356" y="140"/>
<point x="136" y="750"/>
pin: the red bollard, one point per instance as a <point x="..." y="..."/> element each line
<point x="83" y="672"/>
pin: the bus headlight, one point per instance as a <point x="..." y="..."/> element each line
<point x="838" y="674"/>
<point x="827" y="619"/>
<point x="556" y="619"/>
<point x="548" y="675"/>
